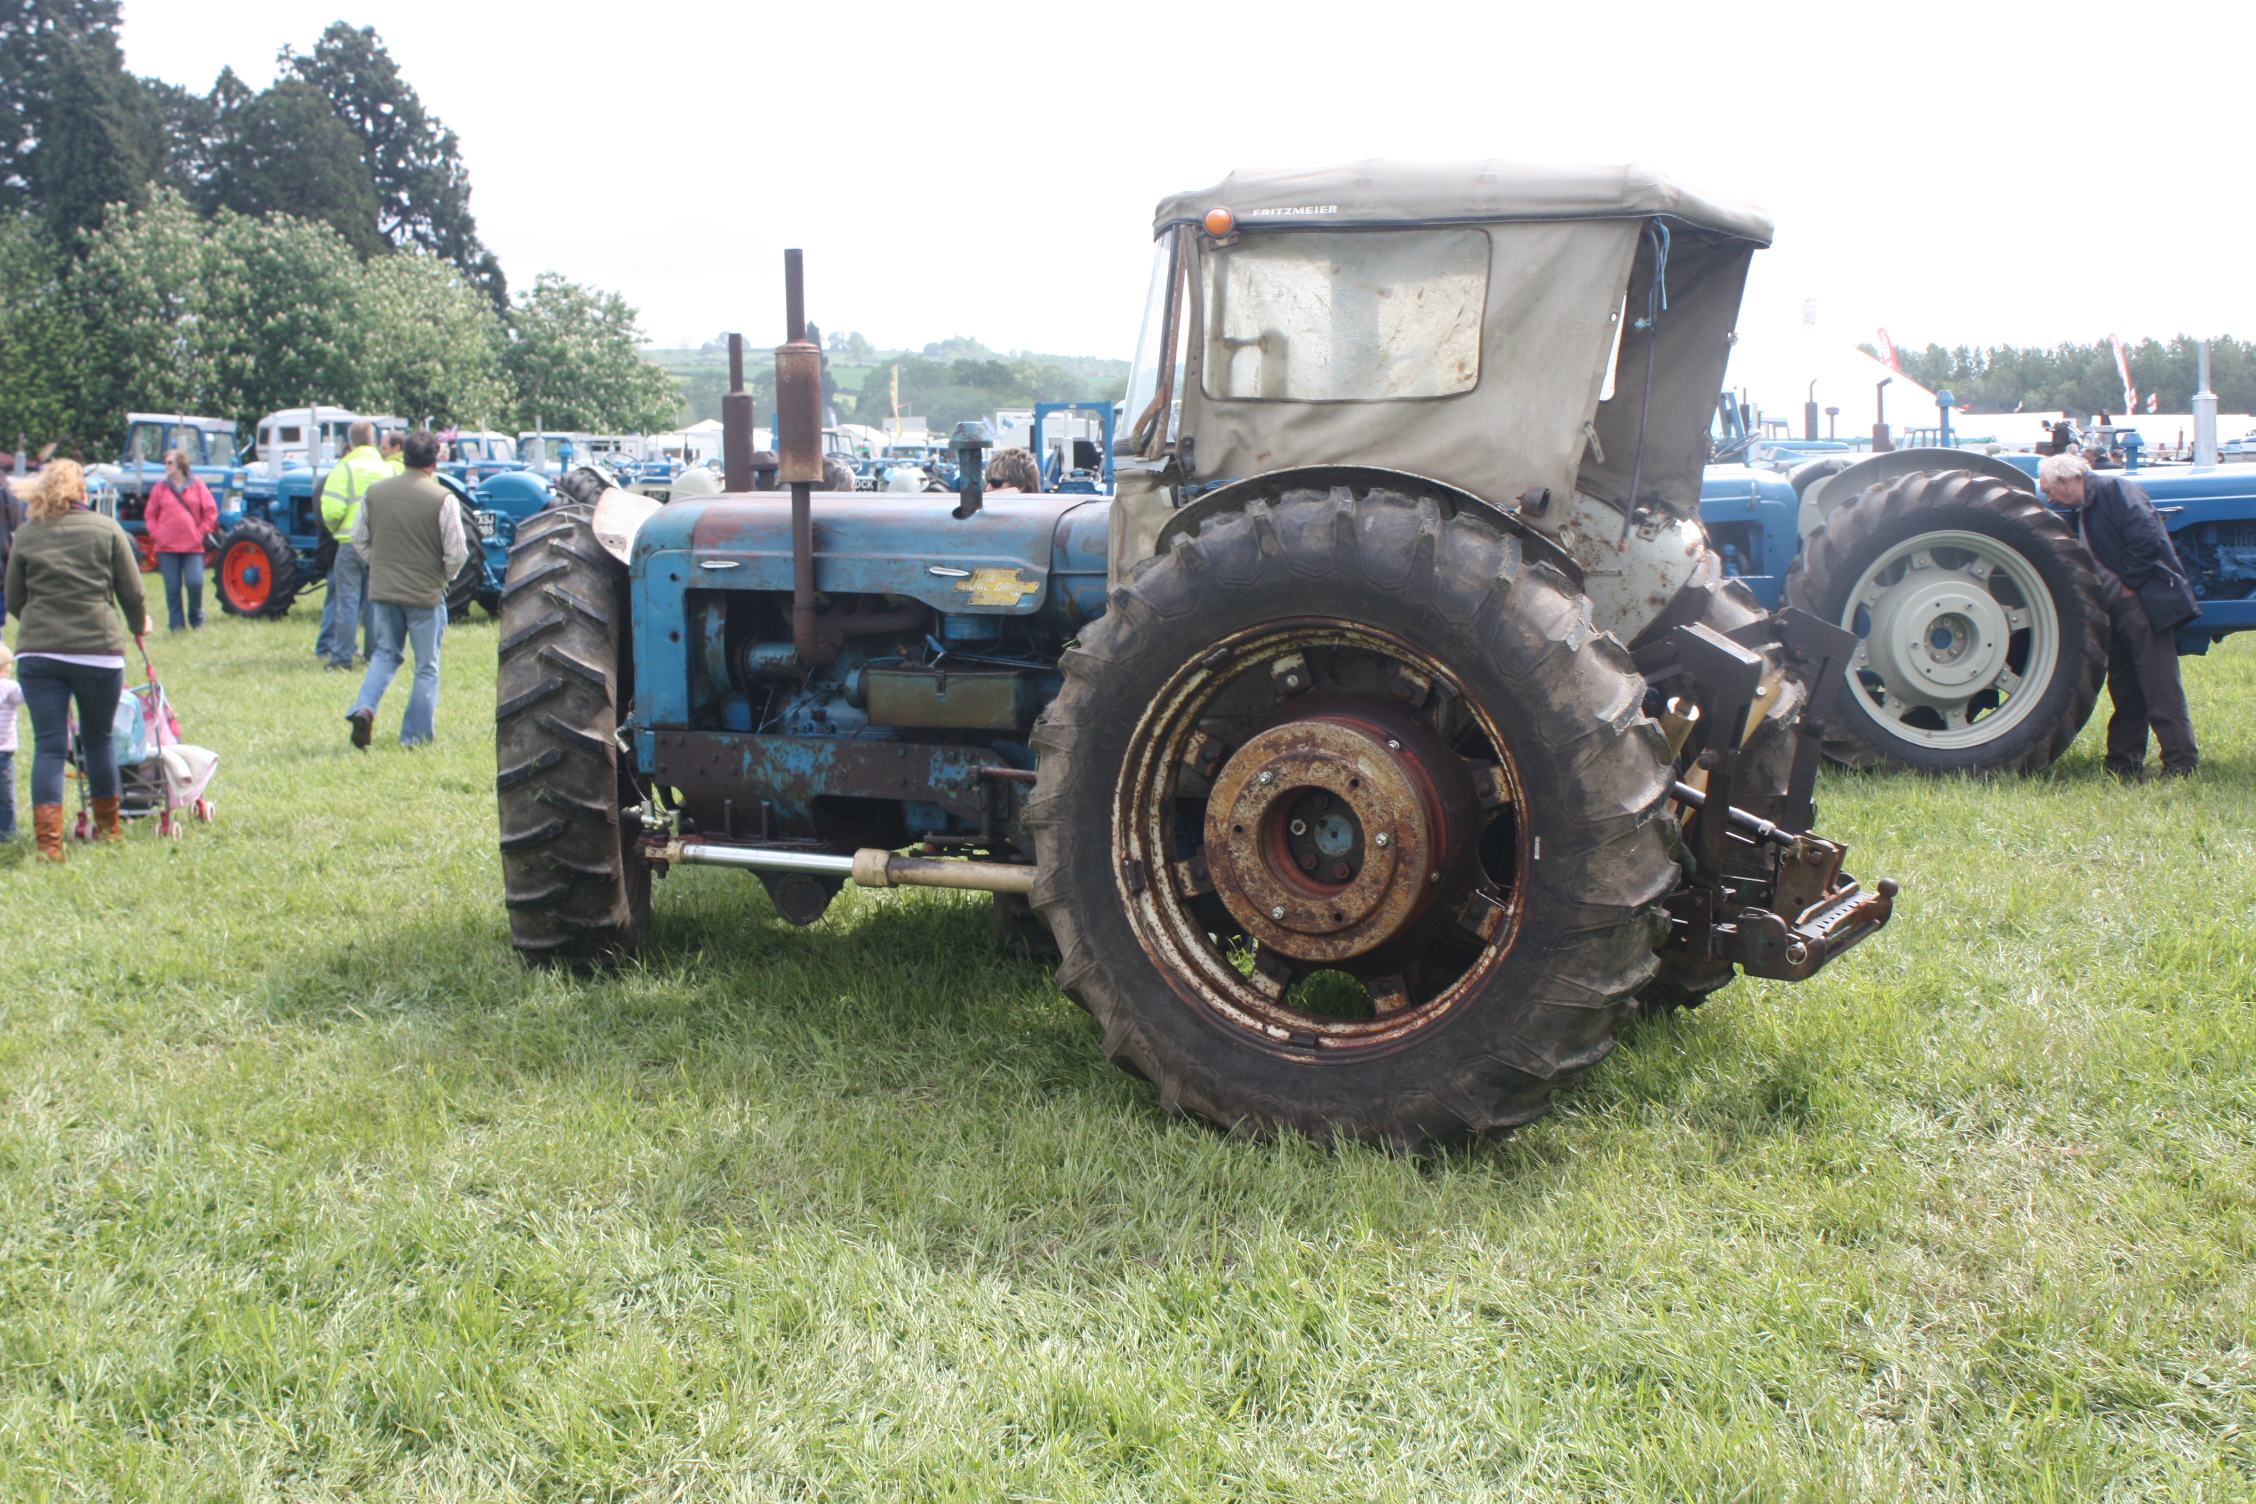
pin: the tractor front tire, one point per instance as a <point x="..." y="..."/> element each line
<point x="469" y="581"/>
<point x="1257" y="855"/>
<point x="258" y="570"/>
<point x="577" y="887"/>
<point x="1984" y="627"/>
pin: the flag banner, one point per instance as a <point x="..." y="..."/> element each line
<point x="2123" y="369"/>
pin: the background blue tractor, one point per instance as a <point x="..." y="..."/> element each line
<point x="273" y="549"/>
<point x="209" y="444"/>
<point x="1073" y="464"/>
<point x="1983" y="634"/>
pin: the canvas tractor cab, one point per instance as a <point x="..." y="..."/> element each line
<point x="1384" y="743"/>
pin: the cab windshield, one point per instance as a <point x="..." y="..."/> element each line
<point x="1143" y="372"/>
<point x="485" y="450"/>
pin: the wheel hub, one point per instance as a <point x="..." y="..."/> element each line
<point x="1938" y="637"/>
<point x="1327" y="837"/>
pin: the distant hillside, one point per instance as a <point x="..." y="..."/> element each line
<point x="944" y="383"/>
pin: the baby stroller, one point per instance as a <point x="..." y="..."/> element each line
<point x="158" y="774"/>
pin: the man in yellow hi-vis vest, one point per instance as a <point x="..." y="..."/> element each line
<point x="345" y="616"/>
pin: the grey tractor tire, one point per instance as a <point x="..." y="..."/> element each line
<point x="1893" y="512"/>
<point x="577" y="890"/>
<point x="470" y="579"/>
<point x="1593" y="768"/>
<point x="284" y="580"/>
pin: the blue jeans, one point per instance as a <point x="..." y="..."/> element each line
<point x="7" y="795"/>
<point x="48" y="689"/>
<point x="348" y="584"/>
<point x="396" y="628"/>
<point x="183" y="570"/>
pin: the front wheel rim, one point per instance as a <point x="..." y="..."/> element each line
<point x="1958" y="639"/>
<point x="245" y="575"/>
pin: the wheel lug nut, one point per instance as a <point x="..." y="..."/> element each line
<point x="1308" y="861"/>
<point x="1265" y="776"/>
<point x="1380" y="839"/>
<point x="1299" y="827"/>
<point x="1393" y="745"/>
<point x="1342" y="871"/>
<point x="1278" y="912"/>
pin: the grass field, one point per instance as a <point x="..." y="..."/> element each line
<point x="308" y="1191"/>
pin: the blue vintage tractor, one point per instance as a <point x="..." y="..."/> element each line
<point x="1081" y="465"/>
<point x="1383" y="744"/>
<point x="273" y="549"/>
<point x="209" y="444"/>
<point x="1983" y="633"/>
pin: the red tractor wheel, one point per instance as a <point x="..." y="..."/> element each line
<point x="258" y="571"/>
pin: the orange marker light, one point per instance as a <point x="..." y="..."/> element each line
<point x="1219" y="222"/>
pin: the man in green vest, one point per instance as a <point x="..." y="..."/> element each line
<point x="342" y="490"/>
<point x="409" y="530"/>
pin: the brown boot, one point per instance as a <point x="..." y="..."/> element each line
<point x="47" y="824"/>
<point x="106" y="820"/>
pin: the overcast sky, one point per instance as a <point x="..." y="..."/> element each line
<point x="1973" y="172"/>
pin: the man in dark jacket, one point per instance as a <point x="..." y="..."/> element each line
<point x="2148" y="599"/>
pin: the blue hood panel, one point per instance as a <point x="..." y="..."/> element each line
<point x="997" y="560"/>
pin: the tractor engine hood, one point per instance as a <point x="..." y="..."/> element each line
<point x="998" y="560"/>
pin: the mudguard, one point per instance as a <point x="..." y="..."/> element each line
<point x="1232" y="496"/>
<point x="1823" y="493"/>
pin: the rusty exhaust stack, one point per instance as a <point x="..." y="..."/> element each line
<point x="799" y="450"/>
<point x="736" y="423"/>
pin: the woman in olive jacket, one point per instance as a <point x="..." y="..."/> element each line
<point x="71" y="574"/>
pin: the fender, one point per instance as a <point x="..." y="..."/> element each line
<point x="1232" y="496"/>
<point x="1825" y="492"/>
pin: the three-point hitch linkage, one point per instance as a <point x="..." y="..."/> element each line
<point x="1789" y="921"/>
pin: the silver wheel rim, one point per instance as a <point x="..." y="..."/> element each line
<point x="1959" y="639"/>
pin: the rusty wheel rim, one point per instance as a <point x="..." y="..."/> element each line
<point x="1317" y="797"/>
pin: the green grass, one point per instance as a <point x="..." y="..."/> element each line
<point x="309" y="1191"/>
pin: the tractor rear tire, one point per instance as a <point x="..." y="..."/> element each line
<point x="258" y="570"/>
<point x="1999" y="645"/>
<point x="577" y="887"/>
<point x="1354" y="600"/>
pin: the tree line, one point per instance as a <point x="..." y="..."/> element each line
<point x="960" y="378"/>
<point x="2082" y="379"/>
<point x="952" y="380"/>
<point x="237" y="252"/>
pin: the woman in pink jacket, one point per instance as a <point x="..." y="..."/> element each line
<point x="179" y="515"/>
